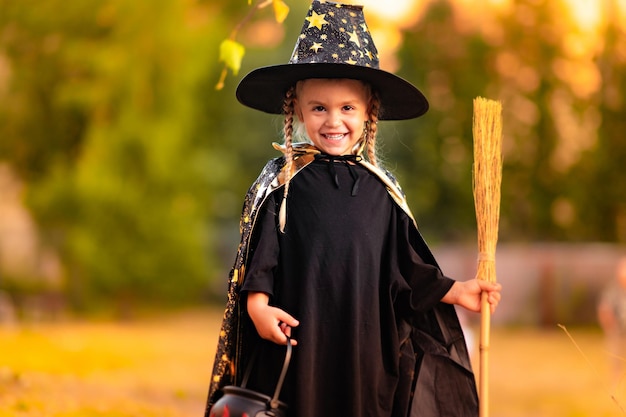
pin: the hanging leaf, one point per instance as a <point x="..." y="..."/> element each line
<point x="231" y="53"/>
<point x="281" y="10"/>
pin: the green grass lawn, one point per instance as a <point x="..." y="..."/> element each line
<point x="161" y="367"/>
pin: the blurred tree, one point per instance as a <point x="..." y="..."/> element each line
<point x="434" y="156"/>
<point x="136" y="165"/>
<point x="99" y="116"/>
<point x="522" y="62"/>
<point x="563" y="142"/>
<point x="603" y="166"/>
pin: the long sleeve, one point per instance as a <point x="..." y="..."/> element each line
<point x="264" y="250"/>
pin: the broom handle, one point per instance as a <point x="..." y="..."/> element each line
<point x="483" y="384"/>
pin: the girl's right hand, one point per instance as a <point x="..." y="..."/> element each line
<point x="271" y="323"/>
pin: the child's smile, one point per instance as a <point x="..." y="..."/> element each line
<point x="333" y="112"/>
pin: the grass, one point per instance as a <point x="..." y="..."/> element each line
<point x="161" y="367"/>
<point x="158" y="367"/>
<point x="543" y="373"/>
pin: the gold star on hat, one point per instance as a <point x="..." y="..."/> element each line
<point x="316" y="46"/>
<point x="316" y="20"/>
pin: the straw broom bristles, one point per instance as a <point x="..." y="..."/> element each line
<point x="487" y="179"/>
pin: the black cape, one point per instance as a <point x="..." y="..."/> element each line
<point x="381" y="347"/>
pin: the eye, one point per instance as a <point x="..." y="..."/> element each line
<point x="318" y="108"/>
<point x="348" y="107"/>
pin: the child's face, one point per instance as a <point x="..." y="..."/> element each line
<point x="333" y="112"/>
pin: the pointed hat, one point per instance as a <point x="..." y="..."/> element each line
<point x="334" y="42"/>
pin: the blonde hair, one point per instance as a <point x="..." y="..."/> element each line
<point x="372" y="126"/>
<point x="368" y="140"/>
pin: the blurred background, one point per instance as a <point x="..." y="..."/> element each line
<point x="123" y="168"/>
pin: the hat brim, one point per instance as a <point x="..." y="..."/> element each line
<point x="264" y="88"/>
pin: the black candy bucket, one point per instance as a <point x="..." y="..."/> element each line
<point x="243" y="402"/>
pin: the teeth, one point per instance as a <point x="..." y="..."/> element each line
<point x="339" y="136"/>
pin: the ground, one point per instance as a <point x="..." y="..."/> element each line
<point x="161" y="367"/>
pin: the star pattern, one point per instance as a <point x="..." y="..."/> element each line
<point x="354" y="38"/>
<point x="335" y="33"/>
<point x="316" y="20"/>
<point x="316" y="46"/>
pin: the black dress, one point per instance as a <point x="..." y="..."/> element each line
<point x="347" y="270"/>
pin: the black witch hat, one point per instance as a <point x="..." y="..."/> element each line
<point x="334" y="42"/>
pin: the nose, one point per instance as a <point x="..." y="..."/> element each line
<point x="333" y="119"/>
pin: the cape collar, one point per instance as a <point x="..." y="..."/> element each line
<point x="304" y="154"/>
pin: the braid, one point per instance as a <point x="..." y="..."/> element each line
<point x="288" y="134"/>
<point x="372" y="129"/>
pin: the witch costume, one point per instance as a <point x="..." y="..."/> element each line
<point x="374" y="339"/>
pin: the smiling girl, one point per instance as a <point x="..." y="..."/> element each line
<point x="330" y="254"/>
<point x="334" y="113"/>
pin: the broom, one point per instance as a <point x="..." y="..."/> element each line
<point x="486" y="181"/>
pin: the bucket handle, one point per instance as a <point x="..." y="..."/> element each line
<point x="274" y="401"/>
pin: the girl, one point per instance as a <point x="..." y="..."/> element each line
<point x="330" y="254"/>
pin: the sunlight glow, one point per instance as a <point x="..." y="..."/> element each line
<point x="586" y="14"/>
<point x="402" y="13"/>
<point x="386" y="19"/>
<point x="581" y="26"/>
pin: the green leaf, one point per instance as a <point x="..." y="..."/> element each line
<point x="281" y="10"/>
<point x="231" y="53"/>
